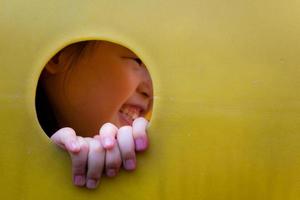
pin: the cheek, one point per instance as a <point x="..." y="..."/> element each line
<point x="97" y="95"/>
<point x="120" y="83"/>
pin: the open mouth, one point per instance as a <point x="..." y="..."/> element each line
<point x="128" y="113"/>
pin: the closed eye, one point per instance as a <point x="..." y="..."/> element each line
<point x="139" y="61"/>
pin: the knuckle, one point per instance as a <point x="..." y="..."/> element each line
<point x="79" y="168"/>
<point x="128" y="155"/>
<point x="84" y="147"/>
<point x="140" y="120"/>
<point x="139" y="127"/>
<point x="125" y="128"/>
<point x="107" y="125"/>
<point x="97" y="137"/>
<point x="108" y="128"/>
<point x="94" y="175"/>
<point x="114" y="164"/>
<point x="68" y="131"/>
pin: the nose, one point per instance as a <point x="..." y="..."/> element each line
<point x="145" y="86"/>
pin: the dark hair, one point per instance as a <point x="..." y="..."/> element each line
<point x="43" y="107"/>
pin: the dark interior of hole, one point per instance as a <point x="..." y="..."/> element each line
<point x="44" y="112"/>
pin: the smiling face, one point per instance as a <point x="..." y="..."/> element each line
<point x="107" y="83"/>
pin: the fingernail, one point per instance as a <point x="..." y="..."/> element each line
<point x="79" y="180"/>
<point x="111" y="172"/>
<point x="140" y="144"/>
<point x="108" y="142"/>
<point x="129" y="164"/>
<point x="91" y="184"/>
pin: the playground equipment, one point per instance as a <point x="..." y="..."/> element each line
<point x="226" y="117"/>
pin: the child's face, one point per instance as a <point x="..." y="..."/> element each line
<point x="106" y="84"/>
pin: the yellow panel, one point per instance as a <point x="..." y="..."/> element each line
<point x="226" y="118"/>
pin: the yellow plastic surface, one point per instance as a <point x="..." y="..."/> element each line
<point x="226" y="118"/>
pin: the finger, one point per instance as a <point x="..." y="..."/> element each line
<point x="96" y="159"/>
<point x="108" y="135"/>
<point x="79" y="163"/>
<point x="139" y="133"/>
<point x="66" y="138"/>
<point x="126" y="145"/>
<point x="113" y="161"/>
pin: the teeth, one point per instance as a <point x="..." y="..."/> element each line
<point x="134" y="115"/>
<point x="130" y="112"/>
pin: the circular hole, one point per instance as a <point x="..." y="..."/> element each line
<point x="89" y="83"/>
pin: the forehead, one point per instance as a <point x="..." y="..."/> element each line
<point x="105" y="47"/>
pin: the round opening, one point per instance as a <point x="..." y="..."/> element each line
<point x="89" y="83"/>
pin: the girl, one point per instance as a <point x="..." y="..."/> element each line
<point x="99" y="94"/>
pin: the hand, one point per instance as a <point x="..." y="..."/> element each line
<point x="127" y="140"/>
<point x="88" y="154"/>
